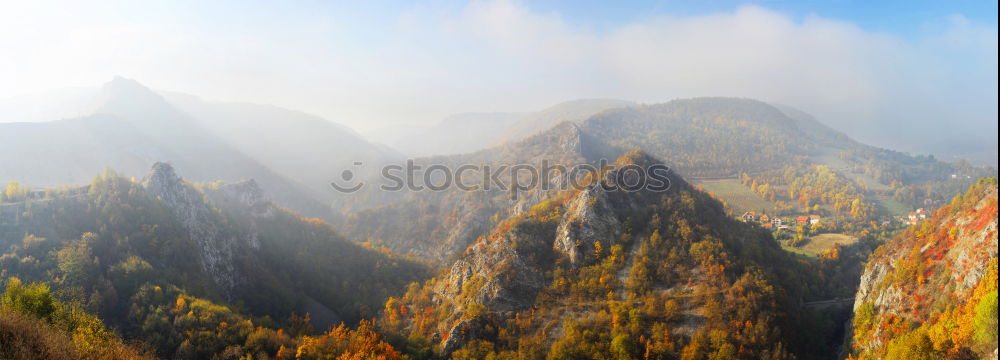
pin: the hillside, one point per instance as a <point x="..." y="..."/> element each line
<point x="721" y="139"/>
<point x="932" y="291"/>
<point x="33" y="325"/>
<point x="450" y="219"/>
<point x="708" y="136"/>
<point x="592" y="273"/>
<point x="165" y="259"/>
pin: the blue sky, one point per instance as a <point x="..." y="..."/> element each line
<point x="889" y="73"/>
<point x="903" y="18"/>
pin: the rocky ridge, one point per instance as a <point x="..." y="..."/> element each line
<point x="504" y="272"/>
<point x="219" y="246"/>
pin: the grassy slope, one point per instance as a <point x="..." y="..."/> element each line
<point x="736" y="195"/>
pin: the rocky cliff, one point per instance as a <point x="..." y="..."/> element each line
<point x="219" y="246"/>
<point x="921" y="292"/>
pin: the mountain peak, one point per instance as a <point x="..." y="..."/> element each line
<point x="123" y="95"/>
<point x="122" y="85"/>
<point x="162" y="177"/>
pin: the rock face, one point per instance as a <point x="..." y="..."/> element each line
<point x="498" y="275"/>
<point x="936" y="264"/>
<point x="219" y="246"/>
<point x="588" y="220"/>
<point x="495" y="275"/>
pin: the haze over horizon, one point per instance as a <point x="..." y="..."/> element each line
<point x="923" y="81"/>
<point x="498" y="179"/>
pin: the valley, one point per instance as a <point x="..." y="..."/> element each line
<point x="758" y="249"/>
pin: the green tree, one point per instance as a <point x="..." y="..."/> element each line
<point x="985" y="322"/>
<point x="35" y="300"/>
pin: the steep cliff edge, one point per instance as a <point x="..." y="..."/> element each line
<point x="932" y="291"/>
<point x="219" y="246"/>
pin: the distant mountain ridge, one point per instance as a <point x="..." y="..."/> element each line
<point x="702" y="137"/>
<point x="134" y="126"/>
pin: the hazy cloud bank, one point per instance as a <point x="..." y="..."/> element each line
<point x="370" y="67"/>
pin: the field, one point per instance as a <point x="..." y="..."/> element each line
<point x="822" y="242"/>
<point x="891" y="206"/>
<point x="737" y="196"/>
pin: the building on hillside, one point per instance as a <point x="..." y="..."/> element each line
<point x="749" y="216"/>
<point x="802" y="220"/>
<point x="765" y="219"/>
<point x="914" y="217"/>
<point x="776" y="221"/>
<point x="814" y="219"/>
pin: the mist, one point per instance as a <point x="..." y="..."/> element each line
<point x="387" y="66"/>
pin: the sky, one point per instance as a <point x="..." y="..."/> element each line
<point x="918" y="76"/>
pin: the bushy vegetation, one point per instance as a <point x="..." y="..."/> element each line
<point x="118" y="253"/>
<point x="699" y="285"/>
<point x="34" y="325"/>
<point x="806" y="189"/>
<point x="941" y="317"/>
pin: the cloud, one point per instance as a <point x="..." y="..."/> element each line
<point x="922" y="95"/>
<point x="368" y="68"/>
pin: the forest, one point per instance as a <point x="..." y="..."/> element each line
<point x="120" y="254"/>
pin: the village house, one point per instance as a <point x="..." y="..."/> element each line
<point x="765" y="219"/>
<point x="776" y="221"/>
<point x="914" y="217"/>
<point x="802" y="220"/>
<point x="814" y="219"/>
<point x="749" y="216"/>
